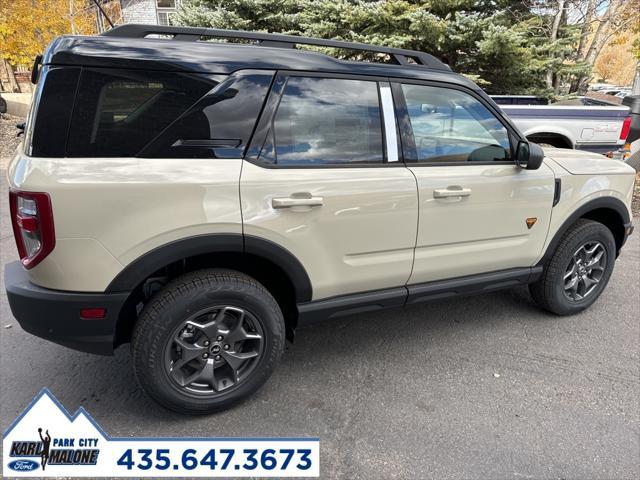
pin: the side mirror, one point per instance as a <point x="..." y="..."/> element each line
<point x="529" y="155"/>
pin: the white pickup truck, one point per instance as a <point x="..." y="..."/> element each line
<point x="600" y="129"/>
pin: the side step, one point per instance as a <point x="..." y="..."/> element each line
<point x="315" y="311"/>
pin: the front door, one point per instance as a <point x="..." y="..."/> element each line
<point x="326" y="183"/>
<point x="478" y="211"/>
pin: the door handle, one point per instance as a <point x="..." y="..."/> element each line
<point x="451" y="191"/>
<point x="297" y="201"/>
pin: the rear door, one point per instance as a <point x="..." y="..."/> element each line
<point x="323" y="179"/>
<point x="475" y="203"/>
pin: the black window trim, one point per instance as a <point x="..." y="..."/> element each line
<point x="264" y="126"/>
<point x="406" y="133"/>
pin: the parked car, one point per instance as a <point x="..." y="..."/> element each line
<point x="601" y="86"/>
<point x="204" y="200"/>
<point x="629" y="153"/>
<point x="3" y="105"/>
<point x="615" y="92"/>
<point x="599" y="129"/>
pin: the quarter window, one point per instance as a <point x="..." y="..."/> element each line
<point x="452" y="126"/>
<point x="117" y="112"/>
<point x="327" y="121"/>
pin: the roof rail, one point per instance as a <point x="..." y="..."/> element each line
<point x="399" y="55"/>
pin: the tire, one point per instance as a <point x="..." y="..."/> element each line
<point x="549" y="291"/>
<point x="182" y="334"/>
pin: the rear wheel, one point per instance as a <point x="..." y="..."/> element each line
<point x="209" y="339"/>
<point x="579" y="269"/>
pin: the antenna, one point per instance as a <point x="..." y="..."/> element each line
<point x="103" y="12"/>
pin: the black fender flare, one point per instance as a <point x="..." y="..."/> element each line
<point x="141" y="268"/>
<point x="610" y="203"/>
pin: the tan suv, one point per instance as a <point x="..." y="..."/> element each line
<point x="202" y="199"/>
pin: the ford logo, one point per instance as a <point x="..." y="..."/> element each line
<point x="23" y="465"/>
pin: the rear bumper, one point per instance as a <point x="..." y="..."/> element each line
<point x="55" y="315"/>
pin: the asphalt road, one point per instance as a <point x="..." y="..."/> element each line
<point x="482" y="387"/>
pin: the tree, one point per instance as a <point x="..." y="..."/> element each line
<point x="479" y="38"/>
<point x="558" y="19"/>
<point x="598" y="29"/>
<point x="616" y="62"/>
<point x="255" y="15"/>
<point x="27" y="26"/>
<point x="509" y="46"/>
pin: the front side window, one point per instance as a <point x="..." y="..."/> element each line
<point x="324" y="121"/>
<point x="452" y="126"/>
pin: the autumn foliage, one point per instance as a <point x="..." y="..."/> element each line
<point x="27" y="26"/>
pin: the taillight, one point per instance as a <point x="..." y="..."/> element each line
<point x="626" y="126"/>
<point x="32" y="220"/>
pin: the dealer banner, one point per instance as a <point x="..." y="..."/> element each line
<point x="46" y="441"/>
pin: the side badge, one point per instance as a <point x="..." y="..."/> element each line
<point x="531" y="221"/>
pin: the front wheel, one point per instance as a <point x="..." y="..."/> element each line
<point x="578" y="270"/>
<point x="207" y="340"/>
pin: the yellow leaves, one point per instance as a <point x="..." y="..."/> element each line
<point x="27" y="26"/>
<point x="616" y="62"/>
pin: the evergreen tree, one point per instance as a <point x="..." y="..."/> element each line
<point x="484" y="39"/>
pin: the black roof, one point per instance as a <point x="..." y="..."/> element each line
<point x="129" y="46"/>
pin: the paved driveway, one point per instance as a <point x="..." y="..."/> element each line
<point x="479" y="387"/>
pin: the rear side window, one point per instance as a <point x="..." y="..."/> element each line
<point x="324" y="121"/>
<point x="118" y="112"/>
<point x="220" y="124"/>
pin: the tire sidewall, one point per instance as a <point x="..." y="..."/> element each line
<point x="154" y="375"/>
<point x="595" y="232"/>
